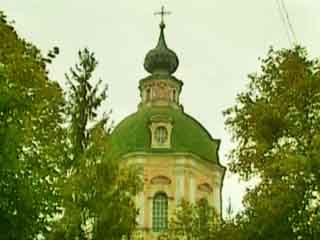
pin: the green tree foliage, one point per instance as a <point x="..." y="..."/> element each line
<point x="83" y="101"/>
<point x="193" y="222"/>
<point x="97" y="192"/>
<point x="30" y="134"/>
<point x="276" y="124"/>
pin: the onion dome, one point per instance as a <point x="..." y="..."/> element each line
<point x="161" y="59"/>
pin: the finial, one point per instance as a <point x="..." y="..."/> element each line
<point x="161" y="59"/>
<point x="162" y="13"/>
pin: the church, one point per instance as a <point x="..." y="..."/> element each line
<point x="177" y="157"/>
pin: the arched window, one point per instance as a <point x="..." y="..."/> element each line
<point x="148" y="94"/>
<point x="161" y="134"/>
<point x="160" y="212"/>
<point x="205" y="211"/>
<point x="203" y="202"/>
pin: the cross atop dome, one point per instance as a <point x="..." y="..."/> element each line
<point x="162" y="13"/>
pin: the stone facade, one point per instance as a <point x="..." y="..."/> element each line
<point x="179" y="176"/>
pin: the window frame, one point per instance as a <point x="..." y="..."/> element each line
<point x="160" y="212"/>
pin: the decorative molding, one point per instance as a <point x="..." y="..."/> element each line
<point x="169" y="197"/>
<point x="211" y="165"/>
<point x="160" y="118"/>
<point x="205" y="187"/>
<point x="160" y="92"/>
<point x="163" y="180"/>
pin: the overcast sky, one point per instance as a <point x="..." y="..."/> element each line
<point x="218" y="43"/>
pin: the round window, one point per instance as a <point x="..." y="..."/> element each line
<point x="161" y="134"/>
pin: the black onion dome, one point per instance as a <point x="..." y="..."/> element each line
<point x="161" y="58"/>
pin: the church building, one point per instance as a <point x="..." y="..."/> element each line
<point x="177" y="156"/>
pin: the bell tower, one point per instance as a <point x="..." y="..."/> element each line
<point x="160" y="88"/>
<point x="177" y="157"/>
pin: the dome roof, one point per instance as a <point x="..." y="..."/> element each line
<point x="188" y="135"/>
<point x="161" y="58"/>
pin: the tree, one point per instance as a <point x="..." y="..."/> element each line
<point x="95" y="185"/>
<point x="193" y="222"/>
<point x="30" y="131"/>
<point x="276" y="125"/>
<point x="83" y="101"/>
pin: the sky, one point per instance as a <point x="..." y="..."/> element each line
<point x="218" y="42"/>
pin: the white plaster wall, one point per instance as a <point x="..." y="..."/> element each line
<point x="192" y="190"/>
<point x="179" y="187"/>
<point x="140" y="204"/>
<point x="216" y="198"/>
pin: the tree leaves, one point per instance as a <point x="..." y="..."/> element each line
<point x="193" y="222"/>
<point x="275" y="124"/>
<point x="97" y="191"/>
<point x="30" y="133"/>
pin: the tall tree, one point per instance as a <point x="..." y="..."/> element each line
<point x="84" y="99"/>
<point x="30" y="134"/>
<point x="95" y="185"/>
<point x="276" y="125"/>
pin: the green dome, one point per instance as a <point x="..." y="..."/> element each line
<point x="188" y="135"/>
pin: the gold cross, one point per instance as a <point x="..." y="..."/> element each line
<point x="162" y="13"/>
